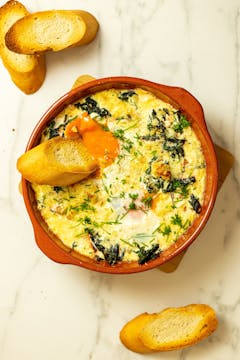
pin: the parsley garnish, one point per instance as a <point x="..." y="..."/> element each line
<point x="132" y="206"/>
<point x="147" y="201"/>
<point x="166" y="230"/>
<point x="181" y="123"/>
<point x="177" y="220"/>
<point x="133" y="196"/>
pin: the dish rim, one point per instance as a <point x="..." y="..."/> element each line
<point x="182" y="100"/>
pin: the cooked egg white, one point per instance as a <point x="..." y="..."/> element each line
<point x="146" y="197"/>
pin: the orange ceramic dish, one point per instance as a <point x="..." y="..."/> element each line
<point x="179" y="99"/>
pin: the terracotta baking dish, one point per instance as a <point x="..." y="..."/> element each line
<point x="178" y="97"/>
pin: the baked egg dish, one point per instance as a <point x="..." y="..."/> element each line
<point x="148" y="189"/>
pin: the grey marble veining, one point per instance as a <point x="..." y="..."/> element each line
<point x="50" y="311"/>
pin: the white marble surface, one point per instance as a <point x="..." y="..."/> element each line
<point x="52" y="311"/>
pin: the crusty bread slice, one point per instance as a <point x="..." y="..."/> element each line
<point x="51" y="30"/>
<point x="27" y="71"/>
<point x="171" y="329"/>
<point x="176" y="328"/>
<point x="129" y="335"/>
<point x="57" y="162"/>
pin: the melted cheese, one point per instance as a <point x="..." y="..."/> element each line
<point x="143" y="201"/>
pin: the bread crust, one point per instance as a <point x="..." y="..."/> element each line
<point x="51" y="30"/>
<point x="82" y="79"/>
<point x="166" y="330"/>
<point x="57" y="162"/>
<point x="129" y="335"/>
<point x="27" y="72"/>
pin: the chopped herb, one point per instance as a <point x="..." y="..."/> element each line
<point x="91" y="106"/>
<point x="180" y="184"/>
<point x="132" y="206"/>
<point x="177" y="220"/>
<point x="163" y="229"/>
<point x="128" y="146"/>
<point x="147" y="201"/>
<point x="116" y="222"/>
<point x="85" y="205"/>
<point x="126" y="242"/>
<point x="87" y="220"/>
<point x="181" y="122"/>
<point x="130" y="127"/>
<point x="145" y="255"/>
<point x="166" y="230"/>
<point x="133" y="196"/>
<point x="138" y="138"/>
<point x="105" y="187"/>
<point x="194" y="202"/>
<point x="125" y="95"/>
<point x="122" y="195"/>
<point x="119" y="133"/>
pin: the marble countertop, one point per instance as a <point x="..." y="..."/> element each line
<point x="52" y="311"/>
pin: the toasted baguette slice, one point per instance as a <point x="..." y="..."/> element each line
<point x="27" y="71"/>
<point x="82" y="79"/>
<point x="171" y="329"/>
<point x="51" y="30"/>
<point x="177" y="328"/>
<point x="129" y="335"/>
<point x="57" y="162"/>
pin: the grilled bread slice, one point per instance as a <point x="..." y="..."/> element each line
<point x="171" y="329"/>
<point x="27" y="71"/>
<point x="51" y="30"/>
<point x="57" y="162"/>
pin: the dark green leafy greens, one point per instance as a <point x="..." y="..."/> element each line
<point x="174" y="146"/>
<point x="126" y="95"/>
<point x="156" y="124"/>
<point x="147" y="254"/>
<point x="53" y="130"/>
<point x="156" y="128"/>
<point x="91" y="106"/>
<point x="180" y="184"/>
<point x="112" y="255"/>
<point x="194" y="202"/>
<point x="154" y="184"/>
<point x="158" y="131"/>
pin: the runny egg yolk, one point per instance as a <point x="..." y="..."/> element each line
<point x="100" y="143"/>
